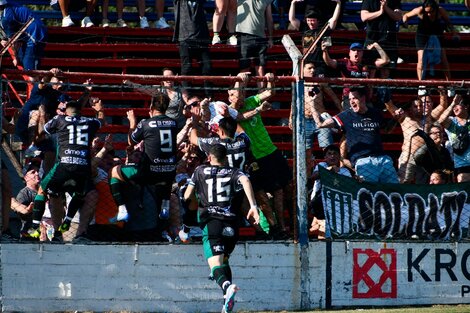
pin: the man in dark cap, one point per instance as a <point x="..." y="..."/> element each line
<point x="310" y="27"/>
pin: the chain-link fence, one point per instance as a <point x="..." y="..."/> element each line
<point x="375" y="157"/>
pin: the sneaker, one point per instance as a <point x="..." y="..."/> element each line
<point x="143" y="22"/>
<point x="7" y="235"/>
<point x="86" y="22"/>
<point x="32" y="152"/>
<point x="166" y="237"/>
<point x="232" y="41"/>
<point x="216" y="40"/>
<point x="164" y="214"/>
<point x="34" y="233"/>
<point x="65" y="226"/>
<point x="83" y="238"/>
<point x="24" y="236"/>
<point x="184" y="237"/>
<point x="161" y="23"/>
<point x="121" y="23"/>
<point x="165" y="210"/>
<point x="67" y="21"/>
<point x="120" y="217"/>
<point x="230" y="298"/>
<point x="105" y="23"/>
<point x="57" y="238"/>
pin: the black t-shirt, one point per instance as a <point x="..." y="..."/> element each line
<point x="74" y="136"/>
<point x="238" y="149"/>
<point x="46" y="96"/>
<point x="190" y="21"/>
<point x="215" y="188"/>
<point x="382" y="28"/>
<point x="159" y="136"/>
<point x="316" y="56"/>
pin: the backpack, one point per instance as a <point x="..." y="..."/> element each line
<point x="428" y="158"/>
<point x="461" y="141"/>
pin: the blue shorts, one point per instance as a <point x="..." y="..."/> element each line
<point x="376" y="169"/>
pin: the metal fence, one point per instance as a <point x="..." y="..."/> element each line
<point x="406" y="129"/>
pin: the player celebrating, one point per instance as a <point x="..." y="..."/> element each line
<point x="72" y="171"/>
<point x="215" y="185"/>
<point x="158" y="164"/>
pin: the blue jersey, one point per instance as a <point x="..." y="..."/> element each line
<point x="14" y="17"/>
<point x="362" y="133"/>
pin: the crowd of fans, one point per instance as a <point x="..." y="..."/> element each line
<point x="140" y="197"/>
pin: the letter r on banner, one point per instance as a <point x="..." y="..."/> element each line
<point x="374" y="273"/>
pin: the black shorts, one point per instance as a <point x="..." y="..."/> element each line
<point x="461" y="170"/>
<point x="271" y="173"/>
<point x="143" y="175"/>
<point x="74" y="6"/>
<point x="219" y="237"/>
<point x="162" y="182"/>
<point x="70" y="178"/>
<point x="422" y="39"/>
<point x="252" y="48"/>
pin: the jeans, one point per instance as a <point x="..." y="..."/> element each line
<point x="195" y="49"/>
<point x="376" y="169"/>
<point x="324" y="135"/>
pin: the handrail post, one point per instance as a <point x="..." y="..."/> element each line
<point x="298" y="123"/>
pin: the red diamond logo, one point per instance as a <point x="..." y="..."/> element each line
<point x="374" y="273"/>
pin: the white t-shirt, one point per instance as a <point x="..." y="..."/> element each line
<point x="216" y="109"/>
<point x="317" y="186"/>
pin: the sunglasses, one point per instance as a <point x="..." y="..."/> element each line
<point x="194" y="103"/>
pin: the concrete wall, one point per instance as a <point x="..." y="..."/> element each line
<point x="157" y="278"/>
<point x="174" y="278"/>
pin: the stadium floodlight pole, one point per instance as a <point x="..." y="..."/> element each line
<point x="298" y="123"/>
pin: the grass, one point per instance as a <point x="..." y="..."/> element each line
<point x="429" y="309"/>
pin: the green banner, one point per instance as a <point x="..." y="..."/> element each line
<point x="394" y="211"/>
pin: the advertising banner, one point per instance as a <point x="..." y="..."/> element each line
<point x="400" y="273"/>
